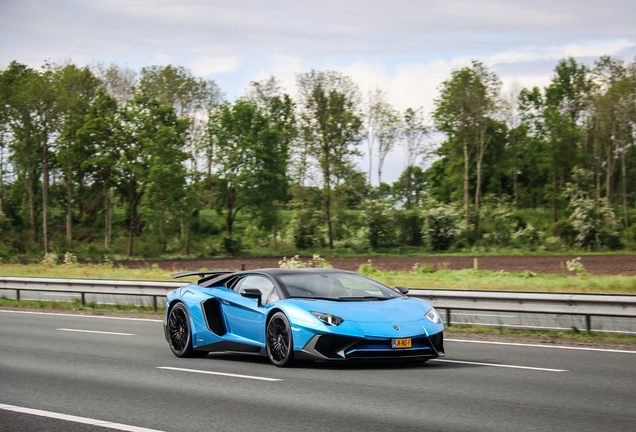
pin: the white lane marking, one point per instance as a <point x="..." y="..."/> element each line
<point x="501" y="365"/>
<point x="98" y="332"/>
<point x="80" y="316"/>
<point x="541" y="346"/>
<point x="221" y="374"/>
<point x="542" y="327"/>
<point x="75" y="419"/>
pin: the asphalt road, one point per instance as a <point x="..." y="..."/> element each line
<point x="114" y="373"/>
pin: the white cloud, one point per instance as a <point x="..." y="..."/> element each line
<point x="215" y="65"/>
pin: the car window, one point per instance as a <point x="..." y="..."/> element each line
<point x="263" y="284"/>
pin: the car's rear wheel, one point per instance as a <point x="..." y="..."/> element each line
<point x="279" y="342"/>
<point x="180" y="334"/>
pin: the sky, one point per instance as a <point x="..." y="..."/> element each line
<point x="405" y="47"/>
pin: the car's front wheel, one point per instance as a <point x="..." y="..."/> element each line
<point x="279" y="342"/>
<point x="180" y="334"/>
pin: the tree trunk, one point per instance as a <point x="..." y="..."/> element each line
<point x="624" y="193"/>
<point x="69" y="206"/>
<point x="187" y="234"/>
<point x="466" y="194"/>
<point x="554" y="193"/>
<point x="131" y="233"/>
<point x="34" y="232"/>
<point x="108" y="218"/>
<point x="45" y="198"/>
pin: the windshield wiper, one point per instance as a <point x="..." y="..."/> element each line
<point x="319" y="298"/>
<point x="363" y="298"/>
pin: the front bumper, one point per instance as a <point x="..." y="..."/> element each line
<point x="336" y="347"/>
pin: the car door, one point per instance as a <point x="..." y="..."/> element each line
<point x="245" y="319"/>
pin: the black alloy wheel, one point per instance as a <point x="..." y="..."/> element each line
<point x="280" y="348"/>
<point x="180" y="334"/>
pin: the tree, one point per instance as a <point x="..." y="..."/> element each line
<point x="330" y="126"/>
<point x="76" y="89"/>
<point x="554" y="114"/>
<point x="414" y="133"/>
<point x="148" y="144"/>
<point x="463" y="111"/>
<point x="251" y="156"/>
<point x="410" y="187"/>
<point x="193" y="100"/>
<point x="269" y="97"/>
<point x="34" y="114"/>
<point x="98" y="137"/>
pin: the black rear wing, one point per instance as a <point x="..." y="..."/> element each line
<point x="201" y="273"/>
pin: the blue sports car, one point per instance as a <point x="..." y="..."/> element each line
<point x="292" y="314"/>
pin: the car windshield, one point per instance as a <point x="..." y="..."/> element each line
<point x="336" y="286"/>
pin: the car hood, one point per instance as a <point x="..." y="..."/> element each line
<point x="378" y="318"/>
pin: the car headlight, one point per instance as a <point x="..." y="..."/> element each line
<point x="330" y="320"/>
<point x="433" y="316"/>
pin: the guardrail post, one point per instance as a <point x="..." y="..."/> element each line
<point x="83" y="299"/>
<point x="448" y="317"/>
<point x="154" y="303"/>
<point x="17" y="295"/>
<point x="588" y="323"/>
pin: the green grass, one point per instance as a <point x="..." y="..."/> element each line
<point x="76" y="305"/>
<point x="573" y="334"/>
<point x="501" y="281"/>
<point x="428" y="279"/>
<point x="82" y="271"/>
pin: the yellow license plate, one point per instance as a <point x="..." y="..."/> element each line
<point x="401" y="343"/>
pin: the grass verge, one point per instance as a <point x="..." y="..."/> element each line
<point x="77" y="306"/>
<point x="423" y="277"/>
<point x="574" y="334"/>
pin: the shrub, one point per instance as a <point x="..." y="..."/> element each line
<point x="408" y="224"/>
<point x="594" y="221"/>
<point x="232" y="245"/>
<point x="50" y="259"/>
<point x="368" y="269"/>
<point x="295" y="263"/>
<point x="441" y="225"/>
<point x="576" y="267"/>
<point x="377" y="217"/>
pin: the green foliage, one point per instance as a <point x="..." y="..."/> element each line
<point x="368" y="269"/>
<point x="295" y="262"/>
<point x="441" y="225"/>
<point x="97" y="161"/>
<point x="377" y="217"/>
<point x="595" y="222"/>
<point x="232" y="245"/>
<point x="408" y="224"/>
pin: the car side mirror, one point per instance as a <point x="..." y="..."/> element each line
<point x="253" y="293"/>
<point x="402" y="289"/>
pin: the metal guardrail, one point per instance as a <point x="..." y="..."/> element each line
<point x="586" y="305"/>
<point x="82" y="287"/>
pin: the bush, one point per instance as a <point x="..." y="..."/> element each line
<point x="594" y="221"/>
<point x="409" y="227"/>
<point x="377" y="217"/>
<point x="441" y="225"/>
<point x="295" y="263"/>
<point x="232" y="245"/>
<point x="564" y="230"/>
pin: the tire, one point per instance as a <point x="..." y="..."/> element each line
<point x="279" y="341"/>
<point x="180" y="334"/>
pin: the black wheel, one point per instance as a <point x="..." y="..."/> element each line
<point x="180" y="334"/>
<point x="280" y="348"/>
